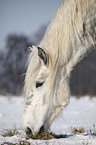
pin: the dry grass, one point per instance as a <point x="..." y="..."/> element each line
<point x="42" y="135"/>
<point x="46" y="136"/>
<point x="93" y="131"/>
<point x="82" y="130"/>
<point x="77" y="130"/>
<point x="10" y="132"/>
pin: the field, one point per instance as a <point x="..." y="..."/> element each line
<point x="77" y="123"/>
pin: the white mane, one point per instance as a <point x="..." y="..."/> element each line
<point x="59" y="40"/>
<point x="34" y="66"/>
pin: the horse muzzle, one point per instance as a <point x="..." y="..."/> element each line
<point x="30" y="133"/>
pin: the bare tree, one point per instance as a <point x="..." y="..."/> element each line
<point x="14" y="64"/>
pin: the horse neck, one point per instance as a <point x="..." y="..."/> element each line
<point x="83" y="40"/>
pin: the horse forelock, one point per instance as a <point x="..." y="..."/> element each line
<point x="33" y="68"/>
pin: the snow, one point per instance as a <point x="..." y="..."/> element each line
<point x="79" y="112"/>
<point x="11" y="109"/>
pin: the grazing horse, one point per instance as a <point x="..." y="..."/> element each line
<point x="71" y="33"/>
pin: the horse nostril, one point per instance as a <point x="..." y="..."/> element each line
<point x="41" y="129"/>
<point x="28" y="131"/>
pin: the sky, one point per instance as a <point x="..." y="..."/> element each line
<point x="25" y="16"/>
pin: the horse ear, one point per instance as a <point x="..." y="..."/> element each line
<point x="43" y="55"/>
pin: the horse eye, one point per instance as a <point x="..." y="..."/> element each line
<point x="39" y="84"/>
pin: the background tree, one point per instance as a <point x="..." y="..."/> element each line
<point x="83" y="79"/>
<point x="12" y="76"/>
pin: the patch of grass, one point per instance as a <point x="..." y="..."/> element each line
<point x="77" y="130"/>
<point x="46" y="136"/>
<point x="82" y="130"/>
<point x="43" y="136"/>
<point x="93" y="131"/>
<point x="10" y="132"/>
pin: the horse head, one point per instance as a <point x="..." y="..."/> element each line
<point x="47" y="92"/>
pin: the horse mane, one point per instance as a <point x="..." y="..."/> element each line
<point x="65" y="25"/>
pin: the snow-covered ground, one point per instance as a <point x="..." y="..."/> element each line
<point x="79" y="112"/>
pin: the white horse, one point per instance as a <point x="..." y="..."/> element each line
<point x="71" y="33"/>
